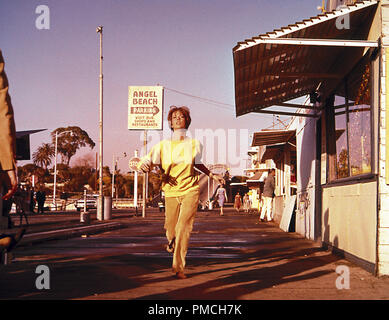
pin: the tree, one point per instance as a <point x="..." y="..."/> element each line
<point x="43" y="155"/>
<point x="71" y="141"/>
<point x="86" y="160"/>
<point x="79" y="177"/>
<point x="25" y="172"/>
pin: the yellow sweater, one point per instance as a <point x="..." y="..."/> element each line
<point x="177" y="159"/>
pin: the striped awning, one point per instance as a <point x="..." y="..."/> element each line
<point x="296" y="60"/>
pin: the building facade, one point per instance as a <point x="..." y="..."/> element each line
<point x="338" y="61"/>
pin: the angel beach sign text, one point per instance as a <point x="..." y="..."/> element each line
<point x="145" y="107"/>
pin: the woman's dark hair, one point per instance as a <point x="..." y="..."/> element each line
<point x="184" y="110"/>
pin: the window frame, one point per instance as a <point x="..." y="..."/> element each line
<point x="331" y="172"/>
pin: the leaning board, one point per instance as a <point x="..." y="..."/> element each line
<point x="287" y="213"/>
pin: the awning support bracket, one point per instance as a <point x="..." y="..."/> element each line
<point x="283" y="113"/>
<point x="319" y="42"/>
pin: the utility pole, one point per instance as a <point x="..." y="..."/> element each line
<point x="145" y="176"/>
<point x="136" y="187"/>
<point x="100" y="200"/>
<point x="113" y="175"/>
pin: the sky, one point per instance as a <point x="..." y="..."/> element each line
<point x="183" y="45"/>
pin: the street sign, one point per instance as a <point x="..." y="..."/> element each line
<point x="133" y="163"/>
<point x="145" y="107"/>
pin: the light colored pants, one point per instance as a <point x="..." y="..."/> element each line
<point x="267" y="208"/>
<point x="179" y="217"/>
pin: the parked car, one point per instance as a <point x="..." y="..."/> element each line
<point x="91" y="203"/>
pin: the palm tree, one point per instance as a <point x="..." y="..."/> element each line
<point x="43" y="155"/>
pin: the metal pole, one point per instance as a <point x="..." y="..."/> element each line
<point x="208" y="188"/>
<point x="136" y="188"/>
<point x="55" y="169"/>
<point x="84" y="201"/>
<point x="144" y="176"/>
<point x="100" y="206"/>
<point x="113" y="175"/>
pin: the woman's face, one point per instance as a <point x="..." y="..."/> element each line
<point x="178" y="120"/>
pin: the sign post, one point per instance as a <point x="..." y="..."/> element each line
<point x="145" y="176"/>
<point x="133" y="163"/>
<point x="145" y="112"/>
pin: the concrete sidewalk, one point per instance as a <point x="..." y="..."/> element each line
<point x="229" y="258"/>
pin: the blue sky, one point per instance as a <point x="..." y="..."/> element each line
<point x="183" y="45"/>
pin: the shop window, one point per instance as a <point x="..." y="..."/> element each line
<point x="360" y="128"/>
<point x="342" y="159"/>
<point x="353" y="125"/>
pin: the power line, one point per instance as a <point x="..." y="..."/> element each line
<point x="222" y="104"/>
<point x="206" y="100"/>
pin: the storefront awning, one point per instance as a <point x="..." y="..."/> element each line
<point x="258" y="178"/>
<point x="271" y="137"/>
<point x="272" y="152"/>
<point x="297" y="60"/>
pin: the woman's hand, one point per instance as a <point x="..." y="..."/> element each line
<point x="11" y="182"/>
<point x="169" y="179"/>
<point x="145" y="166"/>
<point x="219" y="180"/>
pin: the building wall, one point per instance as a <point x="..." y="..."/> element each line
<point x="306" y="172"/>
<point x="383" y="212"/>
<point x="355" y="216"/>
<point x="349" y="219"/>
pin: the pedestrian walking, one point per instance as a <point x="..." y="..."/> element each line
<point x="41" y="198"/>
<point x="237" y="202"/>
<point x="31" y="200"/>
<point x="21" y="200"/>
<point x="246" y="202"/>
<point x="221" y="196"/>
<point x="267" y="196"/>
<point x="177" y="159"/>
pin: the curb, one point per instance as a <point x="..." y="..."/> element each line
<point x="69" y="232"/>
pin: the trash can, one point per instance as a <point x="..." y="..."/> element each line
<point x="107" y="208"/>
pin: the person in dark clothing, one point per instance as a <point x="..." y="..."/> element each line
<point x="21" y="202"/>
<point x="41" y="198"/>
<point x="32" y="200"/>
<point x="268" y="193"/>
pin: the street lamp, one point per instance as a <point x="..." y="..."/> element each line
<point x="55" y="164"/>
<point x="100" y="200"/>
